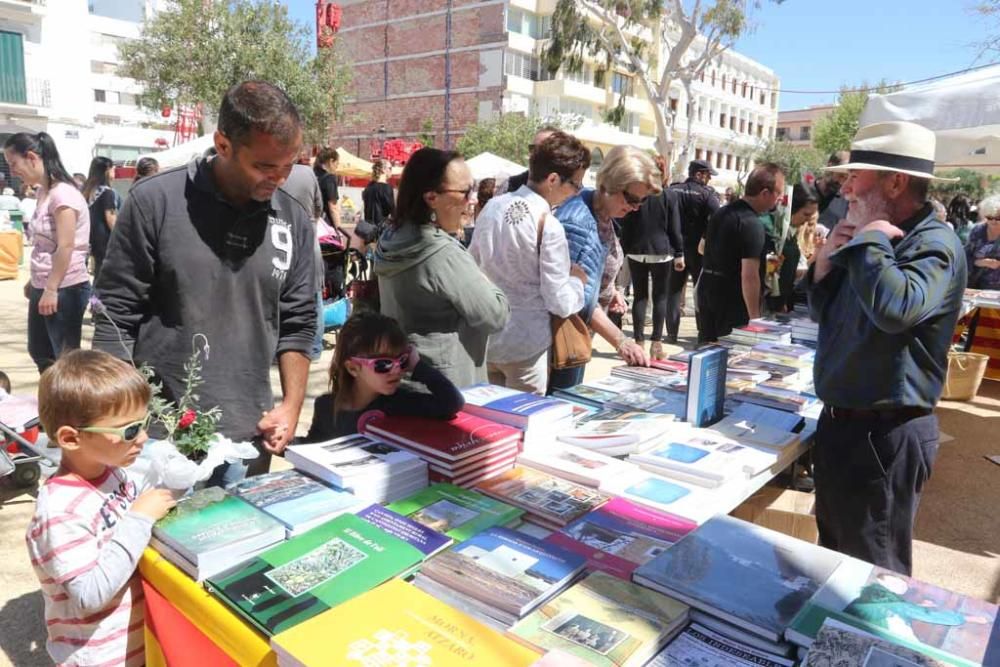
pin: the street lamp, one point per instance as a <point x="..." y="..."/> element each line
<point x="381" y="134"/>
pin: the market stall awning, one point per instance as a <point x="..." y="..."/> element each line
<point x="351" y="166"/>
<point x="488" y="165"/>
<point x="182" y="153"/>
<point x="963" y="110"/>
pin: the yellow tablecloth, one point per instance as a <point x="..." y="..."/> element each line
<point x="221" y="626"/>
<point x="11" y="247"/>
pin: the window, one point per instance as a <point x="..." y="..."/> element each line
<point x="111" y="97"/>
<point x="13" y="87"/>
<point x="101" y="67"/>
<point x="99" y="96"/>
<point x="732" y="123"/>
<point x="584" y="76"/>
<point x="515" y="17"/>
<point x="596" y="158"/>
<point x="722" y="120"/>
<point x="782" y="133"/>
<point x="734" y="85"/>
<point x="804" y="133"/>
<point x="621" y="84"/>
<point x="697" y="153"/>
<point x="723" y="81"/>
<point x="673" y="105"/>
<point x="729" y="162"/>
<point x="743" y="125"/>
<point x="101" y="40"/>
<point x="750" y="127"/>
<point x="745" y="87"/>
<point x="630" y="122"/>
<point x="528" y="24"/>
<point x="519" y="64"/>
<point x="128" y="98"/>
<point x="123" y="10"/>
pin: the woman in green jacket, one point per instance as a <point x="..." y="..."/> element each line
<point x="427" y="280"/>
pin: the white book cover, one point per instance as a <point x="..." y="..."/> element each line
<point x="596" y="434"/>
<point x="700" y="453"/>
<point x="667" y="495"/>
<point x="615" y="384"/>
<point x="575" y="464"/>
<point x="346" y="460"/>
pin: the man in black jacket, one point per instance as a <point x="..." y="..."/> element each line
<point x="697" y="203"/>
<point x="218" y="254"/>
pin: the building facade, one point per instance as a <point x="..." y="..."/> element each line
<point x="446" y="64"/>
<point x="58" y="74"/>
<point x="796" y="125"/>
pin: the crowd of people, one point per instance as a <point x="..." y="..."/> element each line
<point x="225" y="249"/>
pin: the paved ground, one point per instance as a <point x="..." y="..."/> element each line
<point x="958" y="528"/>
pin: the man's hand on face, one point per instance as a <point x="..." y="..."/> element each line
<point x="884" y="226"/>
<point x="841" y="234"/>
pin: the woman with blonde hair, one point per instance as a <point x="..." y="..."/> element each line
<point x="626" y="177"/>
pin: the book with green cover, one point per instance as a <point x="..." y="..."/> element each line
<point x="313" y="572"/>
<point x="458" y="513"/>
<point x="212" y="530"/>
<point x="605" y="621"/>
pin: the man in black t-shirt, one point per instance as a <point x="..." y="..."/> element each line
<point x="729" y="291"/>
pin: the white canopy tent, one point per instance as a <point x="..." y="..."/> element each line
<point x="183" y="153"/>
<point x="488" y="165"/>
<point x="963" y="110"/>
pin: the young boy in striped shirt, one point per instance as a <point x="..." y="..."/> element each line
<point x="91" y="522"/>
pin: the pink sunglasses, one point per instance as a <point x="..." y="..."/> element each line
<point x="383" y="365"/>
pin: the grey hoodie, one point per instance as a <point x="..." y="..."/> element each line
<point x="431" y="285"/>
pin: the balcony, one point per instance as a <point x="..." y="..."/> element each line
<point x="25" y="7"/>
<point x="30" y="92"/>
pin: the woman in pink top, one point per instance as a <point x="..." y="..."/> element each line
<point x="60" y="233"/>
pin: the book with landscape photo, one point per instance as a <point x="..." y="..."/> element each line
<point x="698" y="645"/>
<point x="944" y="624"/>
<point x="689" y="501"/>
<point x="514" y="408"/>
<point x="549" y="500"/>
<point x="418" y="631"/>
<point x="585" y="395"/>
<point x="656" y="400"/>
<point x="752" y="577"/>
<point x="841" y="644"/>
<point x="706" y="394"/>
<point x="316" y="571"/>
<point x="576" y="464"/>
<point x="456" y="512"/>
<point x="509" y="572"/>
<point x="772" y="397"/>
<point x="620" y="535"/>
<point x="296" y="500"/>
<point x="211" y="531"/>
<point x="701" y="457"/>
<point x="427" y="540"/>
<point x="604" y="620"/>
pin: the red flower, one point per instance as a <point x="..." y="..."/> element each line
<point x="187" y="419"/>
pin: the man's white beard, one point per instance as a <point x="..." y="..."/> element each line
<point x="874" y="206"/>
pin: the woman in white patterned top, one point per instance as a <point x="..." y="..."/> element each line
<point x="532" y="269"/>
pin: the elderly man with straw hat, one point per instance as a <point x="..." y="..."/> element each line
<point x="886" y="289"/>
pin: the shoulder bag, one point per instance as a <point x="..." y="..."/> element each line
<point x="571" y="343"/>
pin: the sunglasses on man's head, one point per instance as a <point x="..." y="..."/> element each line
<point x="383" y="365"/>
<point x="127" y="433"/>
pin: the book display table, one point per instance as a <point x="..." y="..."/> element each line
<point x="185" y="625"/>
<point x="981" y="318"/>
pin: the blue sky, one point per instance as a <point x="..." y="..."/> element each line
<point x="823" y="44"/>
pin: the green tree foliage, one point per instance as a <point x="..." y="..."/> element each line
<point x="834" y="131"/>
<point x="606" y="31"/>
<point x="426" y="136"/>
<point x="193" y="51"/>
<point x="974" y="184"/>
<point x="797" y="161"/>
<point x="507" y="135"/>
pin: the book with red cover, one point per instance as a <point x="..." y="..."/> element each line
<point x="669" y="365"/>
<point x="469" y="480"/>
<point x="453" y="440"/>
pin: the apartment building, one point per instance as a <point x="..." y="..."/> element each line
<point x="451" y="63"/>
<point x="58" y="74"/>
<point x="796" y="125"/>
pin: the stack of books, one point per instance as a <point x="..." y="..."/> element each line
<point x="804" y="331"/>
<point x="703" y="457"/>
<point x="210" y="531"/>
<point x="316" y="571"/>
<point x="397" y="624"/>
<point x="373" y="471"/>
<point x="746" y="575"/>
<point x="620" y="535"/>
<point x="941" y="624"/>
<point x="537" y="416"/>
<point x="499" y="575"/>
<point x="788" y="350"/>
<point x="774" y="397"/>
<point x="841" y="644"/>
<point x="576" y="464"/>
<point x="654" y="375"/>
<point x="603" y="620"/>
<point x="458" y="513"/>
<point x="656" y="400"/>
<point x="760" y="331"/>
<point x="632" y="432"/>
<point x="463" y="451"/>
<point x="298" y="501"/>
<point x="549" y="501"/>
<point x="423" y="538"/>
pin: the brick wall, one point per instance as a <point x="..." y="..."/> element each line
<point x="416" y="82"/>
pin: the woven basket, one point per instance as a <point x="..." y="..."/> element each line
<point x="965" y="373"/>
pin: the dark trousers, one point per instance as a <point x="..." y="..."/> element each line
<point x="675" y="289"/>
<point x="869" y="474"/>
<point x="565" y="378"/>
<point x="641" y="273"/>
<point x="49" y="336"/>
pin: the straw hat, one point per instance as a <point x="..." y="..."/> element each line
<point x="893" y="146"/>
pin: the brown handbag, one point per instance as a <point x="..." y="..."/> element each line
<point x="571" y="343"/>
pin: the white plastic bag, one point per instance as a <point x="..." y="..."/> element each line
<point x="170" y="469"/>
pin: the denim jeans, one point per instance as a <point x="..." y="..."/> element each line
<point x="50" y="336"/>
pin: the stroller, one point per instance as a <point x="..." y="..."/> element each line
<point x="337" y="261"/>
<point x="20" y="456"/>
